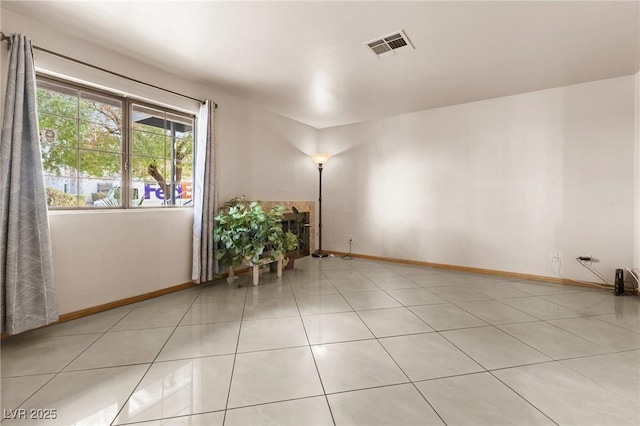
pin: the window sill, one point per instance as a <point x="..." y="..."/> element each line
<point x="117" y="211"/>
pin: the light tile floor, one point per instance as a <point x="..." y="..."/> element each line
<point x="338" y="342"/>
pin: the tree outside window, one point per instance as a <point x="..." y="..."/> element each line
<point x="89" y="153"/>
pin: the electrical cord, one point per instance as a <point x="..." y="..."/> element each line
<point x="576" y="281"/>
<point x="596" y="273"/>
<point x="348" y="255"/>
<point x="634" y="277"/>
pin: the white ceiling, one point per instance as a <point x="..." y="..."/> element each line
<point x="309" y="61"/>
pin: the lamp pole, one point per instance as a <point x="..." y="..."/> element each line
<point x="320" y="159"/>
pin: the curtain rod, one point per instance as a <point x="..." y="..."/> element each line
<point x="8" y="39"/>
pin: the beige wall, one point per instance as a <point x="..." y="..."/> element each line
<point x="100" y="257"/>
<point x="107" y="256"/>
<point x="499" y="184"/>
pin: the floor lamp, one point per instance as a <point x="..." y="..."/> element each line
<point x="320" y="159"/>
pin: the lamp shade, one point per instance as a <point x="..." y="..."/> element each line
<point x="320" y="158"/>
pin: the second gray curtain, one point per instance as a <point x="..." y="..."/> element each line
<point x="204" y="197"/>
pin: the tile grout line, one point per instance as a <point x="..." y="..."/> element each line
<point x="522" y="322"/>
<point x="551" y="359"/>
<point x="313" y="356"/>
<point x="584" y="338"/>
<point x="595" y="381"/>
<point x="559" y="328"/>
<point x="396" y="362"/>
<point x="610" y="323"/>
<point x="559" y="361"/>
<point x="55" y="374"/>
<point x="235" y="357"/>
<point x="151" y="364"/>
<point x="523" y="398"/>
<point x="401" y="369"/>
<point x="490" y="372"/>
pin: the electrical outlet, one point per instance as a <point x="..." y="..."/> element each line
<point x="556" y="262"/>
<point x="350" y="238"/>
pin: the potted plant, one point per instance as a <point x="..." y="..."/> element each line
<point x="246" y="234"/>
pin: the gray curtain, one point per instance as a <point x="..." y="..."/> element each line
<point x="205" y="201"/>
<point x="26" y="266"/>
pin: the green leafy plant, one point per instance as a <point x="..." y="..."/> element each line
<point x="244" y="232"/>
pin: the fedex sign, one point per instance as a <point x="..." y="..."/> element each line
<point x="183" y="191"/>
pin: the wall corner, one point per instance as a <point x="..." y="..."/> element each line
<point x="636" y="212"/>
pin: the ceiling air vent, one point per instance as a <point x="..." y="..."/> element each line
<point x="391" y="44"/>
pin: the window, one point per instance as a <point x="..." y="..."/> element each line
<point x="162" y="155"/>
<point x="97" y="146"/>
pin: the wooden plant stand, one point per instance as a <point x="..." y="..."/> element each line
<point x="255" y="268"/>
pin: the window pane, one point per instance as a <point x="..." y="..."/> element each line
<point x="184" y="193"/>
<point x="137" y="196"/>
<point x="149" y="193"/>
<point x="102" y="110"/>
<point x="152" y="177"/>
<point x="97" y="164"/>
<point x="140" y="168"/>
<point x="179" y="126"/>
<point x="166" y="159"/>
<point x="184" y="150"/>
<point x="102" y="192"/>
<point x="150" y="144"/>
<point x="57" y="100"/>
<point x="58" y="198"/>
<point x="59" y="161"/>
<point x="56" y="130"/>
<point x="148" y="120"/>
<point x="65" y="184"/>
<point x="98" y="137"/>
<point x="155" y="195"/>
<point x="170" y="171"/>
<point x="62" y="190"/>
